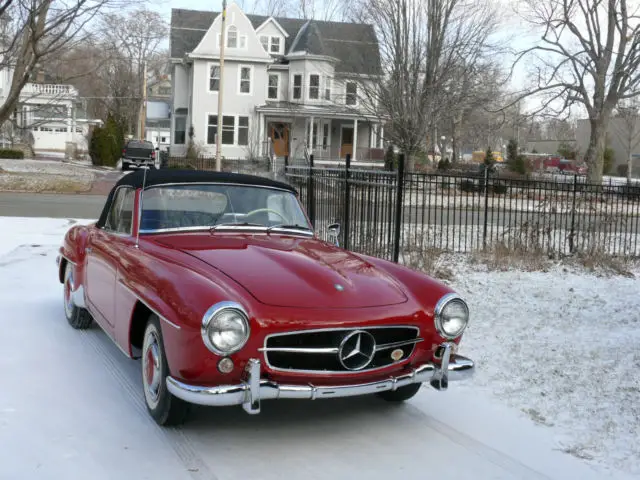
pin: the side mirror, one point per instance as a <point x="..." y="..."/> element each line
<point x="334" y="233"/>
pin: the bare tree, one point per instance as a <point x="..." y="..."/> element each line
<point x="627" y="128"/>
<point x="134" y="38"/>
<point x="588" y="56"/>
<point x="34" y="32"/>
<point x="326" y="10"/>
<point x="425" y="47"/>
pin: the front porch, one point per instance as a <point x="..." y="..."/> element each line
<point x="328" y="135"/>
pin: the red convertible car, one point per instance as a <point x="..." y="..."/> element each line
<point x="218" y="283"/>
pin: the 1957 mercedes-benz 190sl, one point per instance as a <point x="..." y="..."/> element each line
<point x="218" y="283"/>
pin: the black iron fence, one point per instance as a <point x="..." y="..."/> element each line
<point x="385" y="213"/>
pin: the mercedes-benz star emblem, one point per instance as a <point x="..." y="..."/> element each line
<point x="357" y="350"/>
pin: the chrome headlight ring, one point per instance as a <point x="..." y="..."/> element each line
<point x="221" y="318"/>
<point x="445" y="314"/>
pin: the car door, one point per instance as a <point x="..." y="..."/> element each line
<point x="104" y="253"/>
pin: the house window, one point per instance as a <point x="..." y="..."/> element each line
<point x="245" y="79"/>
<point x="243" y="41"/>
<point x="297" y="87"/>
<point x="214" y="78"/>
<point x="272" y="93"/>
<point x="228" y="130"/>
<point x="180" y="129"/>
<point x="232" y="37"/>
<point x="243" y="130"/>
<point x="163" y="139"/>
<point x="327" y="88"/>
<point x="314" y="87"/>
<point x="352" y="93"/>
<point x="325" y="136"/>
<point x="275" y="45"/>
<point x="229" y="123"/>
<point x="264" y="40"/>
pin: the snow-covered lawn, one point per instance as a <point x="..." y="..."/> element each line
<point x="562" y="346"/>
<point x="51" y="167"/>
<point x="555" y="395"/>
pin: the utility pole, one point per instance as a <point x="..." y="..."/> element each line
<point x="143" y="107"/>
<point x="220" y="94"/>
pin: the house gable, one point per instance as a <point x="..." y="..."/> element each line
<point x="273" y="23"/>
<point x="248" y="46"/>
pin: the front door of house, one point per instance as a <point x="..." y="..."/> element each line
<point x="280" y="138"/>
<point x="346" y="144"/>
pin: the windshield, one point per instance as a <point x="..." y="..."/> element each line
<point x="207" y="205"/>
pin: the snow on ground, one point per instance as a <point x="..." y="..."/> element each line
<point x="51" y="167"/>
<point x="554" y="397"/>
<point x="562" y="347"/>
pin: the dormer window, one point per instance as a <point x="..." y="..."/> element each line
<point x="275" y="45"/>
<point x="271" y="44"/>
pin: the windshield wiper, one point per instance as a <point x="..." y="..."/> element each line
<point x="243" y="224"/>
<point x="290" y="227"/>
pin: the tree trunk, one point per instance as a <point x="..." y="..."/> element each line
<point x="595" y="151"/>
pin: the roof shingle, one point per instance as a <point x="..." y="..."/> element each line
<point x="354" y="45"/>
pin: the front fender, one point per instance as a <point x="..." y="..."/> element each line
<point x="72" y="251"/>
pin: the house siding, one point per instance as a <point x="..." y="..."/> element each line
<point x="205" y="103"/>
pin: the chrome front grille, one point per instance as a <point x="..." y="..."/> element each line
<point x="344" y="350"/>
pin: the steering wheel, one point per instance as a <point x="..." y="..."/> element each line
<point x="267" y="210"/>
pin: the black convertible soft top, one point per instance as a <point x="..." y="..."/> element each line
<point x="165" y="176"/>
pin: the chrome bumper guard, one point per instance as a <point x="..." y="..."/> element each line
<point x="250" y="392"/>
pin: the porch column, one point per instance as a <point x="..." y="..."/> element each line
<point x="373" y="134"/>
<point x="310" y="140"/>
<point x="69" y="123"/>
<point x="261" y="139"/>
<point x="355" y="140"/>
<point x="381" y="134"/>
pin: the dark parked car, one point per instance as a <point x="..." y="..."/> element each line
<point x="138" y="153"/>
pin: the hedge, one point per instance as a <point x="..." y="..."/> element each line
<point x="10" y="153"/>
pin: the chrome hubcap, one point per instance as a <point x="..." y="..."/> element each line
<point x="151" y="370"/>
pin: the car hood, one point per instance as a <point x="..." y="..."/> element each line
<point x="293" y="272"/>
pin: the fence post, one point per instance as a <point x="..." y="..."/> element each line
<point x="347" y="202"/>
<point x="486" y="207"/>
<point x="573" y="215"/>
<point x="399" y="198"/>
<point x="311" y="208"/>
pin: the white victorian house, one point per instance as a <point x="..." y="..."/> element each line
<point x="291" y="87"/>
<point x="49" y="116"/>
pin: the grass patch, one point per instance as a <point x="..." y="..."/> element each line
<point x="43" y="183"/>
<point x="498" y="257"/>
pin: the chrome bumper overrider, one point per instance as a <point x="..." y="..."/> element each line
<point x="250" y="392"/>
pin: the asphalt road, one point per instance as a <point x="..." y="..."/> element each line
<point x="89" y="207"/>
<point x="51" y="205"/>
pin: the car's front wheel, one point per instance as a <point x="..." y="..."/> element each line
<point x="125" y="166"/>
<point x="78" y="318"/>
<point x="401" y="394"/>
<point x="164" y="408"/>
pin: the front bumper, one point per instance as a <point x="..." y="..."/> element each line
<point x="250" y="392"/>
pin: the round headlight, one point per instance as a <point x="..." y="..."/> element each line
<point x="451" y="316"/>
<point x="225" y="328"/>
